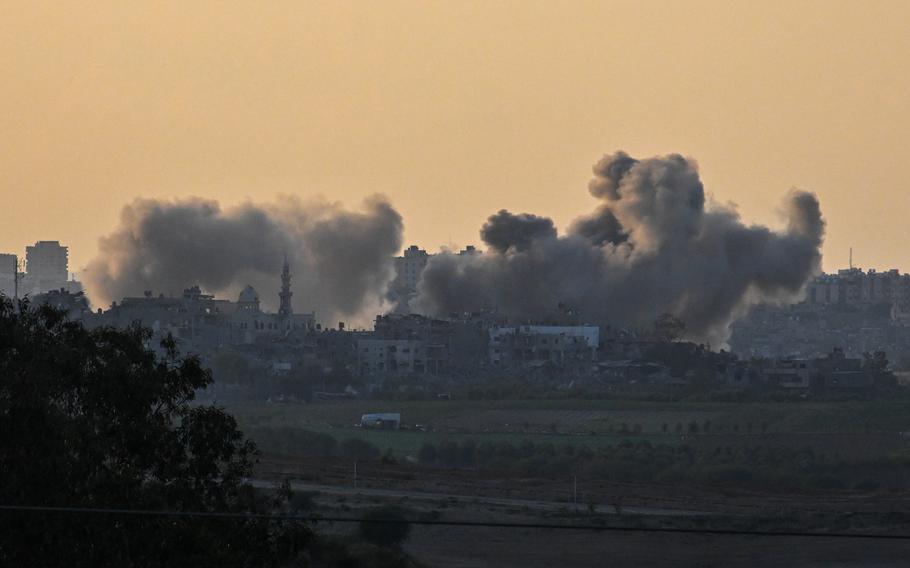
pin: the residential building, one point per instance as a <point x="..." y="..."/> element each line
<point x="8" y="274"/>
<point x="561" y="345"/>
<point x="853" y="286"/>
<point x="408" y="269"/>
<point x="46" y="267"/>
<point x="75" y="304"/>
<point x="391" y="356"/>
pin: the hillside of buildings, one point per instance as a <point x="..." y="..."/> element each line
<point x="853" y="310"/>
<point x="849" y="336"/>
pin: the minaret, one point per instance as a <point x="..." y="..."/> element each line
<point x="285" y="310"/>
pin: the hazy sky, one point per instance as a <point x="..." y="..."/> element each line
<point x="452" y="109"/>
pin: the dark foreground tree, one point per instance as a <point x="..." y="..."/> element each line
<point x="97" y="420"/>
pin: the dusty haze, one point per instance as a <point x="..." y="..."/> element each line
<point x="454" y="110"/>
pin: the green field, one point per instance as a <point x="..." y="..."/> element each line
<point x="590" y="422"/>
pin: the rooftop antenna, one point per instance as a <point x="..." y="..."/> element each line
<point x="851" y="258"/>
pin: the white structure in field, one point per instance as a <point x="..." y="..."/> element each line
<point x="387" y="420"/>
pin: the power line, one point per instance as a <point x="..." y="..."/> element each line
<point x="478" y="524"/>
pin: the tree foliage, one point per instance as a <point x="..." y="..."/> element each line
<point x="97" y="419"/>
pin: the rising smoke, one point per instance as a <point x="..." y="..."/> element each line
<point x="341" y="260"/>
<point x="652" y="246"/>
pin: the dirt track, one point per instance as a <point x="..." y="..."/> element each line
<point x="471" y="495"/>
<point x="459" y="547"/>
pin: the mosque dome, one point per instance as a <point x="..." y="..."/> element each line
<point x="249" y="295"/>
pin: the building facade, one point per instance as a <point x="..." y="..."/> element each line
<point x="531" y="344"/>
<point x="9" y="267"/>
<point x="46" y="267"/>
<point x="409" y="267"/>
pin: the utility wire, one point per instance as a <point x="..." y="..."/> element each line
<point x="479" y="524"/>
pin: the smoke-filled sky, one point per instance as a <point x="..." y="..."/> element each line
<point x="341" y="260"/>
<point x="453" y="110"/>
<point x="653" y="245"/>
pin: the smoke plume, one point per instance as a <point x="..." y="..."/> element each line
<point x="341" y="260"/>
<point x="652" y="246"/>
<point x="505" y="231"/>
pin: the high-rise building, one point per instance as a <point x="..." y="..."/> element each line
<point x="46" y="266"/>
<point x="409" y="267"/>
<point x="8" y="267"/>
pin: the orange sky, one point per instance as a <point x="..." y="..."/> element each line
<point x="452" y="109"/>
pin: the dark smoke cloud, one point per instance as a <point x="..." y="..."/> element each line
<point x="341" y="260"/>
<point x="600" y="228"/>
<point x="504" y="231"/>
<point x="652" y="246"/>
<point x="607" y="173"/>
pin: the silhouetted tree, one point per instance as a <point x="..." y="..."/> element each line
<point x="427" y="454"/>
<point x="468" y="453"/>
<point x="96" y="419"/>
<point x="447" y="453"/>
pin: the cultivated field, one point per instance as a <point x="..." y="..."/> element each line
<point x="594" y="422"/>
<point x="800" y="466"/>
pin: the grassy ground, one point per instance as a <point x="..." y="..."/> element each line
<point x="408" y="442"/>
<point x="590" y="422"/>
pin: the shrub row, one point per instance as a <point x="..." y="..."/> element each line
<point x="288" y="441"/>
<point x="756" y="466"/>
